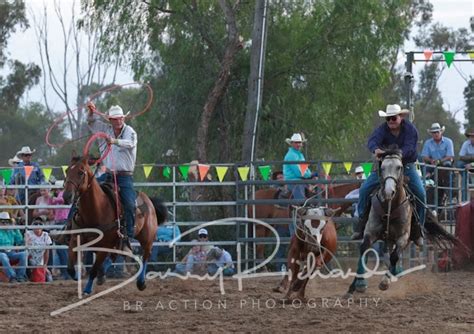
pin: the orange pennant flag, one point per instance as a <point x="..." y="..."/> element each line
<point x="428" y="54"/>
<point x="28" y="170"/>
<point x="203" y="169"/>
<point x="303" y="168"/>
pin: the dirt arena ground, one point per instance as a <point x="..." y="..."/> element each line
<point x="442" y="302"/>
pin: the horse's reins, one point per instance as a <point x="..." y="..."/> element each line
<point x="389" y="209"/>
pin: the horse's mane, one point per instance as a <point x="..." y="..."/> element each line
<point x="392" y="150"/>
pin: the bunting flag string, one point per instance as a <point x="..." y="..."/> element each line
<point x="348" y="166"/>
<point x="367" y="167"/>
<point x="203" y="169"/>
<point x="471" y="54"/>
<point x="265" y="172"/>
<point x="243" y="172"/>
<point x="327" y="167"/>
<point x="147" y="170"/>
<point x="428" y="54"/>
<point x="221" y="171"/>
<point x="303" y="168"/>
<point x="184" y="169"/>
<point x="7" y="175"/>
<point x="47" y="173"/>
<point x="64" y="170"/>
<point x="167" y="172"/>
<point x="448" y="57"/>
<point x="28" y="171"/>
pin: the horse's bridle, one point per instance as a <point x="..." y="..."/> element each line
<point x="78" y="185"/>
<point x="396" y="180"/>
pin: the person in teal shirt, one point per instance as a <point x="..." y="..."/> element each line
<point x="293" y="171"/>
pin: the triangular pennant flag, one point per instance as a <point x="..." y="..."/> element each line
<point x="167" y="172"/>
<point x="264" y="171"/>
<point x="147" y="170"/>
<point x="6" y="175"/>
<point x="367" y="167"/>
<point x="471" y="54"/>
<point x="47" y="173"/>
<point x="348" y="166"/>
<point x="243" y="172"/>
<point x="203" y="169"/>
<point x="28" y="170"/>
<point x="221" y="171"/>
<point x="303" y="168"/>
<point x="184" y="169"/>
<point x="448" y="57"/>
<point x="64" y="170"/>
<point x="428" y="54"/>
<point x="327" y="167"/>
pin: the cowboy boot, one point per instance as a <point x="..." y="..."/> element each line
<point x="359" y="229"/>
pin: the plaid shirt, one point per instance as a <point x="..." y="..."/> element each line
<point x="10" y="238"/>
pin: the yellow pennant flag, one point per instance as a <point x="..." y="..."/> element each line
<point x="471" y="54"/>
<point x="243" y="172"/>
<point x="64" y="170"/>
<point x="348" y="166"/>
<point x="147" y="170"/>
<point x="47" y="173"/>
<point x="221" y="171"/>
<point x="327" y="167"/>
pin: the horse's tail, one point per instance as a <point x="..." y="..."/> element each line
<point x="436" y="233"/>
<point x="160" y="209"/>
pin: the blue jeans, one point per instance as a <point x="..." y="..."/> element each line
<point x="5" y="258"/>
<point x="159" y="250"/>
<point x="212" y="269"/>
<point x="414" y="184"/>
<point x="128" y="198"/>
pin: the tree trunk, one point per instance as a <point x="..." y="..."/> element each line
<point x="254" y="89"/>
<point x="220" y="85"/>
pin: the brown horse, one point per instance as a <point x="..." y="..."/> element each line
<point x="316" y="237"/>
<point x="95" y="209"/>
<point x="271" y="211"/>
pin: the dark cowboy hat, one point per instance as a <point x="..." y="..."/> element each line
<point x="469" y="132"/>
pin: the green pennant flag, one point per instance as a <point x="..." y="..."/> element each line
<point x="6" y="175"/>
<point x="167" y="172"/>
<point x="47" y="173"/>
<point x="184" y="169"/>
<point x="367" y="167"/>
<point x="264" y="171"/>
<point x="448" y="57"/>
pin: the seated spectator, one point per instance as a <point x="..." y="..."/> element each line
<point x="44" y="199"/>
<point x="38" y="257"/>
<point x="220" y="258"/>
<point x="466" y="153"/>
<point x="9" y="238"/>
<point x="195" y="261"/>
<point x="7" y="197"/>
<point x="166" y="233"/>
<point x="439" y="150"/>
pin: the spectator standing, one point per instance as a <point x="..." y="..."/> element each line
<point x="36" y="177"/>
<point x="466" y="153"/>
<point x="438" y="150"/>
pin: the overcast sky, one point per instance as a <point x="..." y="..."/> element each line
<point x="451" y="13"/>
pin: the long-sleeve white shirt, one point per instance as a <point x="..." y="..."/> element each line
<point x="123" y="154"/>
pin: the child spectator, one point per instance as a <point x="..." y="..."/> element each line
<point x="220" y="258"/>
<point x="10" y="238"/>
<point x="44" y="199"/>
<point x="38" y="257"/>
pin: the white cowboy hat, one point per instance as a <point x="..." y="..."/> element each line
<point x="25" y="150"/>
<point x="4" y="216"/>
<point x="14" y="161"/>
<point x="435" y="127"/>
<point x="359" y="169"/>
<point x="116" y="112"/>
<point x="295" y="138"/>
<point x="392" y="110"/>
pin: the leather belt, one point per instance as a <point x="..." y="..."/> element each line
<point x="121" y="173"/>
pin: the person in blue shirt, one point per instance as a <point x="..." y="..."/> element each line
<point x="18" y="177"/>
<point x="166" y="233"/>
<point x="466" y="153"/>
<point x="292" y="171"/>
<point x="399" y="131"/>
<point x="439" y="150"/>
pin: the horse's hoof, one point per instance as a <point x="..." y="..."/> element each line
<point x="361" y="286"/>
<point x="347" y="295"/>
<point x="277" y="289"/>
<point x="100" y="280"/>
<point x="384" y="284"/>
<point x="141" y="285"/>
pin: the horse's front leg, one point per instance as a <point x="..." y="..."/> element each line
<point x="99" y="260"/>
<point x="141" y="284"/>
<point x="394" y="257"/>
